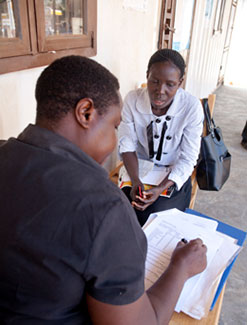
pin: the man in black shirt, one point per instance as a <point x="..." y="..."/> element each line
<point x="71" y="250"/>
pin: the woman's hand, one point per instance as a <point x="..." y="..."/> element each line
<point x="135" y="192"/>
<point x="148" y="197"/>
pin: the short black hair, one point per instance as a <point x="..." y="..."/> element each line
<point x="69" y="79"/>
<point x="168" y="55"/>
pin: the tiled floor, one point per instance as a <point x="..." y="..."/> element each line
<point x="230" y="203"/>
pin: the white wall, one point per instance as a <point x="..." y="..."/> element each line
<point x="206" y="51"/>
<point x="236" y="70"/>
<point x="17" y="105"/>
<point x="126" y="40"/>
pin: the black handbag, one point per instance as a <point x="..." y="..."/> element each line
<point x="213" y="168"/>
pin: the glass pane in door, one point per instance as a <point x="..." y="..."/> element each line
<point x="65" y="17"/>
<point x="183" y="24"/>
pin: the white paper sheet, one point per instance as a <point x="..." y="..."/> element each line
<point x="148" y="172"/>
<point x="164" y="232"/>
<point x="156" y="175"/>
<point x="145" y="166"/>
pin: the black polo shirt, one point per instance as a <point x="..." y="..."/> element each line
<point x="65" y="229"/>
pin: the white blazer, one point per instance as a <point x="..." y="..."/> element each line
<point x="181" y="145"/>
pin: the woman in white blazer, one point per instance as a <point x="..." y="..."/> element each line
<point x="163" y="124"/>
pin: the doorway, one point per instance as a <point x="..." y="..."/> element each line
<point x="176" y="26"/>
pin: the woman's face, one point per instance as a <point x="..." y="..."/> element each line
<point x="163" y="80"/>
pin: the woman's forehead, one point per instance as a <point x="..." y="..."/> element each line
<point x="164" y="68"/>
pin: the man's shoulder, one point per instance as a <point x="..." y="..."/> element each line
<point x="3" y="143"/>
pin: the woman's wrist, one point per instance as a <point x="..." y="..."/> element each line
<point x="159" y="189"/>
<point x="136" y="181"/>
<point x="165" y="184"/>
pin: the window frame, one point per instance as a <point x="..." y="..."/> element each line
<point x="42" y="50"/>
<point x="12" y="46"/>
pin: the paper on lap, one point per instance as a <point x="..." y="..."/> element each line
<point x="149" y="173"/>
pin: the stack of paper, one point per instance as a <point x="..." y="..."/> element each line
<point x="148" y="172"/>
<point x="163" y="231"/>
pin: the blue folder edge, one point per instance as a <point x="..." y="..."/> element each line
<point x="231" y="231"/>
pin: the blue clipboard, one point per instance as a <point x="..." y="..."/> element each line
<point x="231" y="231"/>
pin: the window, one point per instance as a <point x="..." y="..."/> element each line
<point x="35" y="32"/>
<point x="14" y="36"/>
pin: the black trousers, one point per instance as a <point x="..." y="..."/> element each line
<point x="179" y="200"/>
<point x="244" y="133"/>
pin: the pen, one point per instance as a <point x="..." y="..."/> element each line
<point x="140" y="191"/>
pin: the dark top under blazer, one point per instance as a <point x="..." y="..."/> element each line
<point x="65" y="229"/>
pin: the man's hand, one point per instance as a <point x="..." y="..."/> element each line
<point x="190" y="256"/>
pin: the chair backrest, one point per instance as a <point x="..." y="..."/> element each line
<point x="211" y="103"/>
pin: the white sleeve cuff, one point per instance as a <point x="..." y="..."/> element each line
<point x="177" y="180"/>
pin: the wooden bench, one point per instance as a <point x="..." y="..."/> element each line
<point x="181" y="318"/>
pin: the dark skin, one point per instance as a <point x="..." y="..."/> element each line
<point x="156" y="305"/>
<point x="163" y="81"/>
<point x="83" y="126"/>
<point x="95" y="135"/>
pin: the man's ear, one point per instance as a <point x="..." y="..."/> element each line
<point x="85" y="112"/>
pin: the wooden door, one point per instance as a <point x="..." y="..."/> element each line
<point x="167" y="23"/>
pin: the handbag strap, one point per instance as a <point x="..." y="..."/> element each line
<point x="209" y="121"/>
